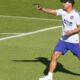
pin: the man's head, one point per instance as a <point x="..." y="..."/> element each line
<point x="67" y="3"/>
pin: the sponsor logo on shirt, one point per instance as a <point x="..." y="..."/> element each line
<point x="68" y="23"/>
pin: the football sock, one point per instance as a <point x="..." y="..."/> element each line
<point x="50" y="74"/>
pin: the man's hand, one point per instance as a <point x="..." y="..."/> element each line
<point x="38" y="6"/>
<point x="68" y="33"/>
<point x="72" y="32"/>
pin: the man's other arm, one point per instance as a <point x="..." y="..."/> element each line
<point x="46" y="10"/>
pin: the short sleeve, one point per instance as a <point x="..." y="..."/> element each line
<point x="78" y="19"/>
<point x="59" y="12"/>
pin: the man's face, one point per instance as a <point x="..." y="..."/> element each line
<point x="67" y="5"/>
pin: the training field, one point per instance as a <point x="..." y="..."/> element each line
<point x="27" y="39"/>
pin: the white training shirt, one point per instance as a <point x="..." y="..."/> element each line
<point x="70" y="22"/>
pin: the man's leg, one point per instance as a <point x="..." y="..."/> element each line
<point x="53" y="62"/>
<point x="59" y="49"/>
<point x="75" y="49"/>
<point x="52" y="67"/>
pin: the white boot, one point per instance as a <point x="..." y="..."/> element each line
<point x="45" y="78"/>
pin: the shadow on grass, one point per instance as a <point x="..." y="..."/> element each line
<point x="46" y="62"/>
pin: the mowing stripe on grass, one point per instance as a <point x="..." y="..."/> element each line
<point x="11" y="33"/>
<point x="29" y="33"/>
<point x="19" y="17"/>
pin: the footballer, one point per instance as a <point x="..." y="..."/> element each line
<point x="70" y="33"/>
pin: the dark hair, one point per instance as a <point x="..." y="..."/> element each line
<point x="70" y="1"/>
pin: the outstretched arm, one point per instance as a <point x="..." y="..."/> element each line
<point x="46" y="10"/>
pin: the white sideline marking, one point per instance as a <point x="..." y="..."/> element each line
<point x="19" y="17"/>
<point x="29" y="33"/>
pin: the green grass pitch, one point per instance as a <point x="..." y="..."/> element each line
<point x="28" y="57"/>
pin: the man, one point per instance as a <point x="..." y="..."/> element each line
<point x="70" y="33"/>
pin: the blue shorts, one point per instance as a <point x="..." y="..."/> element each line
<point x="63" y="47"/>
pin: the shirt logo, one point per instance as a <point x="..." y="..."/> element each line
<point x="72" y="17"/>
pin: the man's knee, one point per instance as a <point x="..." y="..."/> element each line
<point x="56" y="55"/>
